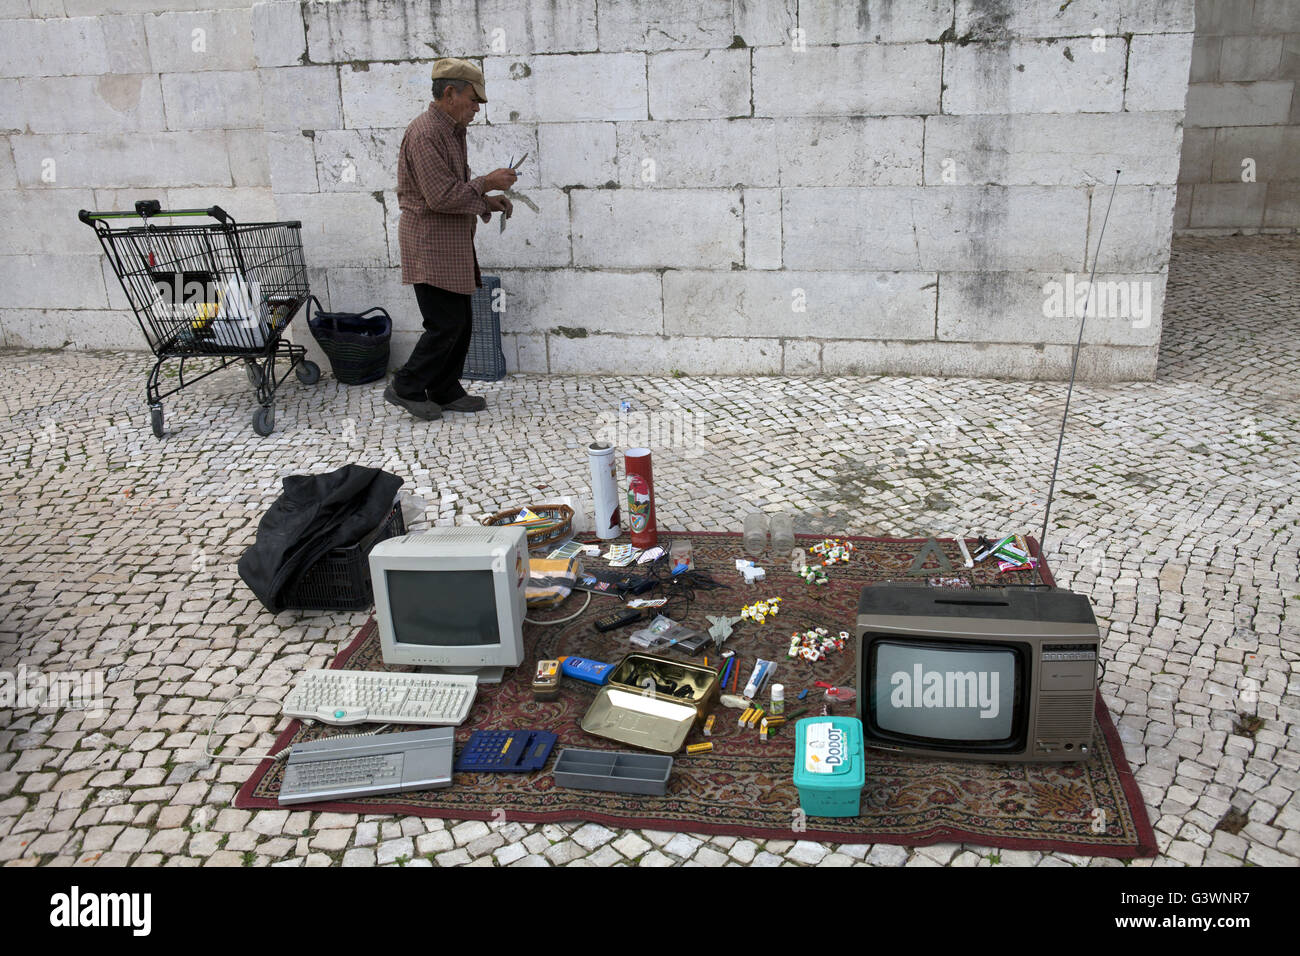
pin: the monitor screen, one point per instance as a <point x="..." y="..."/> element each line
<point x="944" y="692"/>
<point x="443" y="608"/>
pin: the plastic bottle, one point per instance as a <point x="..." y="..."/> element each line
<point x="755" y="532"/>
<point x="778" y="700"/>
<point x="782" y="532"/>
<point x="585" y="669"/>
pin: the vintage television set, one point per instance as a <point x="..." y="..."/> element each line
<point x="996" y="674"/>
<point x="452" y="599"/>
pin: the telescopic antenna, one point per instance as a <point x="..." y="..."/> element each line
<point x="1074" y="367"/>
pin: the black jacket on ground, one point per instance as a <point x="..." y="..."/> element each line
<point x="314" y="515"/>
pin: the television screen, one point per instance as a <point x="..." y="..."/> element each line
<point x="443" y="608"/>
<point x="942" y="692"/>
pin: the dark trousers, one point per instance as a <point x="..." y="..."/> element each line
<point x="433" y="371"/>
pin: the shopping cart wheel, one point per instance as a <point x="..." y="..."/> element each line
<point x="254" y="373"/>
<point x="308" y="372"/>
<point x="155" y="419"/>
<point x="264" y="420"/>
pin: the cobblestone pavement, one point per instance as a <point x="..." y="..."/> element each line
<point x="1176" y="510"/>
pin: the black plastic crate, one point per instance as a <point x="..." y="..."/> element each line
<point x="485" y="361"/>
<point x="340" y="581"/>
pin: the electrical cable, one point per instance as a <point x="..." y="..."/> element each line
<point x="239" y="758"/>
<point x="280" y="754"/>
<point x="677" y="590"/>
<point x="562" y="620"/>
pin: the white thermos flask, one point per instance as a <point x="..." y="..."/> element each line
<point x="604" y="491"/>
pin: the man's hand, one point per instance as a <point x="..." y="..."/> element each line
<point x="499" y="204"/>
<point x="500" y="179"/>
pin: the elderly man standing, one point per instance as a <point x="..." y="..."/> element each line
<point x="439" y="201"/>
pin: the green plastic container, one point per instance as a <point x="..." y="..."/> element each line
<point x="830" y="766"/>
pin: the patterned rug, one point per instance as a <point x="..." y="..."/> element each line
<point x="744" y="787"/>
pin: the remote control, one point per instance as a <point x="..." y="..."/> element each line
<point x="620" y="618"/>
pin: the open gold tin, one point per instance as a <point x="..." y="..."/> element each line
<point x="653" y="702"/>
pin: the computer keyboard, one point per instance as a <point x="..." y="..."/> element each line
<point x="343" y="767"/>
<point x="354" y="697"/>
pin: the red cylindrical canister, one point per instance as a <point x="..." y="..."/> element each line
<point x="640" y="498"/>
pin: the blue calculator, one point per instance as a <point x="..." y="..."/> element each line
<point x="506" y="751"/>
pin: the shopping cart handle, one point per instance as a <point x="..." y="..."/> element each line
<point x="151" y="207"/>
<point x="148" y="208"/>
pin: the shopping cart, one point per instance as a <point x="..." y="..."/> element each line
<point x="217" y="290"/>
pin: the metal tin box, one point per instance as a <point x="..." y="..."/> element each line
<point x="652" y="702"/>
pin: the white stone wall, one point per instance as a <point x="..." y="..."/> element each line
<point x="102" y="103"/>
<point x="1241" y="150"/>
<point x="730" y="186"/>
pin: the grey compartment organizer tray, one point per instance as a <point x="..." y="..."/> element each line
<point x="613" y="770"/>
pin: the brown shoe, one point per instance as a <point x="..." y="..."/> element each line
<point x="427" y="411"/>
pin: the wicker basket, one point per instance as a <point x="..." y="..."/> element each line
<point x="561" y="529"/>
<point x="356" y="343"/>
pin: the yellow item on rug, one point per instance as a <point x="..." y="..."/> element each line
<point x="550" y="581"/>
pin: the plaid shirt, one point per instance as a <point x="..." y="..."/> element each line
<point x="439" y="203"/>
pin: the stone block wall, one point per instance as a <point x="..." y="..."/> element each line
<point x="721" y="186"/>
<point x="1241" y="148"/>
<point x="102" y="103"/>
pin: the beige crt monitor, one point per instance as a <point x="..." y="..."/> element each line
<point x="452" y="599"/>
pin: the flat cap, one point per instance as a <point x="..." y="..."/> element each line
<point x="450" y="68"/>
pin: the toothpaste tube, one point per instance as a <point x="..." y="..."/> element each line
<point x="763" y="671"/>
<point x="593" y="672"/>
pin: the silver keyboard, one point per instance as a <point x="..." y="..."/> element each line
<point x="355" y="697"/>
<point x="345" y="773"/>
<point x="345" y="767"/>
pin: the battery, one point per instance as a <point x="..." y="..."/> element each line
<point x="699" y="748"/>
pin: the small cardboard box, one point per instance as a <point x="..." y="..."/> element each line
<point x="653" y="702"/>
